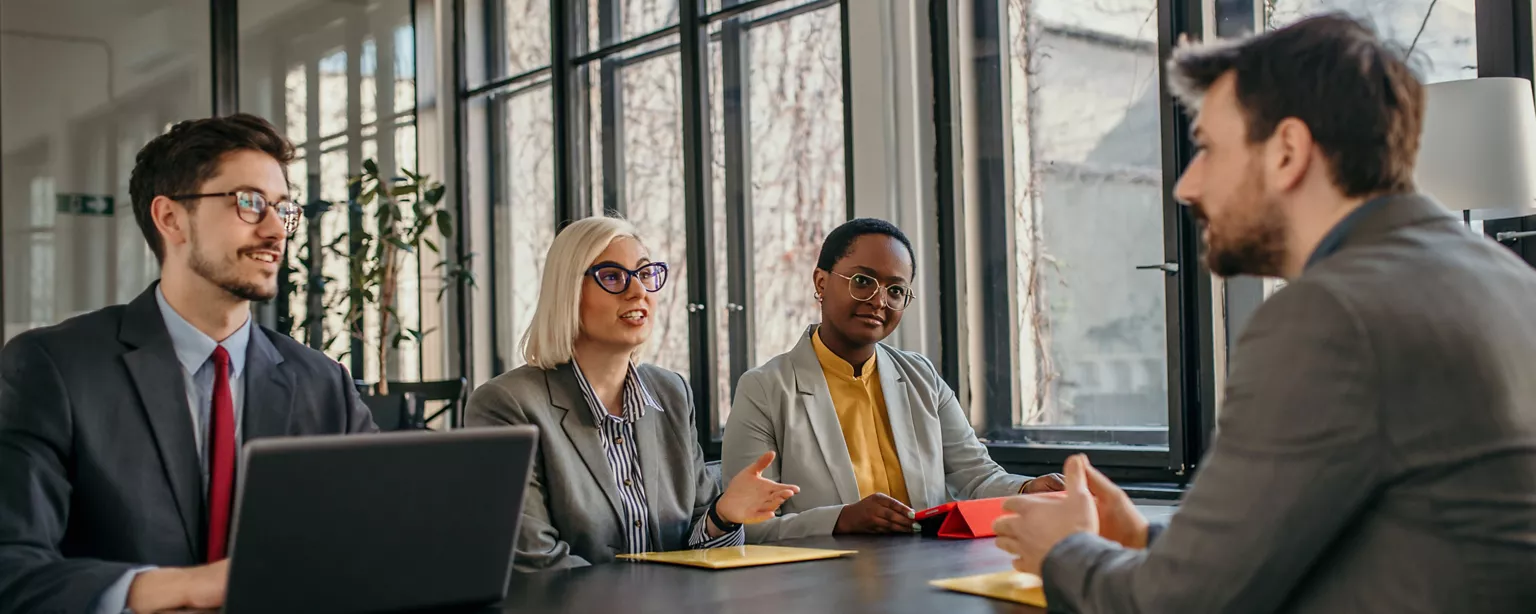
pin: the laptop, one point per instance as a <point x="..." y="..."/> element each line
<point x="386" y="522"/>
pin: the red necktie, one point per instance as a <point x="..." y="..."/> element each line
<point x="221" y="457"/>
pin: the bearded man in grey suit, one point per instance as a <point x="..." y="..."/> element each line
<point x="1377" y="447"/>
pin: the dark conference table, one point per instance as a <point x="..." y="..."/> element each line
<point x="889" y="574"/>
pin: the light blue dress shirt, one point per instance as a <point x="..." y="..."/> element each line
<point x="194" y="350"/>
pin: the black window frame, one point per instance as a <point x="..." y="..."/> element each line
<point x="571" y="73"/>
<point x="1504" y="48"/>
<point x="1193" y="360"/>
<point x="1190" y="345"/>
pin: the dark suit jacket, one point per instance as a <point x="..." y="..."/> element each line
<point x="571" y="514"/>
<point x="1376" y="450"/>
<point x="98" y="467"/>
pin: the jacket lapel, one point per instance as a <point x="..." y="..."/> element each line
<point x="268" y="391"/>
<point x="157" y="377"/>
<point x="893" y="385"/>
<point x="565" y="393"/>
<point x="815" y="399"/>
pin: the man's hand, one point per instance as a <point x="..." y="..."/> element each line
<point x="1119" y="520"/>
<point x="877" y="513"/>
<point x="179" y="587"/>
<point x="1039" y="523"/>
<point x="751" y="498"/>
<point x="1050" y="482"/>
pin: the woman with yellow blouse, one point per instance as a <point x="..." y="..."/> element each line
<point x="868" y="432"/>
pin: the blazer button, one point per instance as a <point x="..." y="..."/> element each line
<point x="618" y="440"/>
<point x="637" y="524"/>
<point x="628" y="483"/>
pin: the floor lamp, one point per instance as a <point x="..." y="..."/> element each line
<point x="1478" y="153"/>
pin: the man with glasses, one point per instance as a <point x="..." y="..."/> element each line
<point x="868" y="432"/>
<point x="120" y="429"/>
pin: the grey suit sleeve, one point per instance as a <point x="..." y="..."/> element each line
<point x="749" y="433"/>
<point x="35" y="439"/>
<point x="359" y="419"/>
<point x="539" y="546"/>
<point x="968" y="469"/>
<point x="705" y="489"/>
<point x="1298" y="453"/>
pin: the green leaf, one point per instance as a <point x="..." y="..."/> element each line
<point x="366" y="197"/>
<point x="403" y="190"/>
<point x="435" y="193"/>
<point x="406" y="247"/>
<point x="413" y="176"/>
<point x="430" y="245"/>
<point x="371" y="167"/>
<point x="445" y="224"/>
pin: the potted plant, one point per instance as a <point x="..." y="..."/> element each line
<point x="405" y="212"/>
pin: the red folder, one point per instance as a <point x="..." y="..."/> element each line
<point x="961" y="519"/>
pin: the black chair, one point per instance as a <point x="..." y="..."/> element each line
<point x="453" y="393"/>
<point x="395" y="411"/>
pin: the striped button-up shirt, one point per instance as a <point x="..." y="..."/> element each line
<point x="618" y="436"/>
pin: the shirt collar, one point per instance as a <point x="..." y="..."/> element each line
<point x="1334" y="240"/>
<point x="636" y="397"/>
<point x="833" y="364"/>
<point x="193" y="348"/>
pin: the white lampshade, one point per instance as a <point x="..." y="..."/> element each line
<point x="1479" y="147"/>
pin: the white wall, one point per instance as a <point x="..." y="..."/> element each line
<point x="893" y="143"/>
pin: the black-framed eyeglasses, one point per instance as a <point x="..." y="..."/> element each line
<point x="252" y="207"/>
<point x="864" y="288"/>
<point x="615" y="279"/>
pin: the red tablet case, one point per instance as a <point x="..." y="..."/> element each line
<point x="961" y="519"/>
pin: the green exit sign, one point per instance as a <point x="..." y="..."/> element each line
<point x="85" y="204"/>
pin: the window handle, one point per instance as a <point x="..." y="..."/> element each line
<point x="1171" y="268"/>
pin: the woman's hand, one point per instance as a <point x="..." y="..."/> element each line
<point x="1050" y="482"/>
<point x="751" y="498"/>
<point x="877" y="513"/>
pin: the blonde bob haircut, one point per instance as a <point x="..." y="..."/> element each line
<point x="551" y="337"/>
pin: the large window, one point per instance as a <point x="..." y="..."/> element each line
<point x="1087" y="205"/>
<point x="767" y="109"/>
<point x="340" y="81"/>
<point x="1115" y="317"/>
<point x="776" y="105"/>
<point x="1439" y="37"/>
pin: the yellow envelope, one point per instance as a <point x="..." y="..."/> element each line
<point x="1018" y="587"/>
<point x="738" y="556"/>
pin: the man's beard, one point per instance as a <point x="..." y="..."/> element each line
<point x="1250" y="242"/>
<point x="224" y="276"/>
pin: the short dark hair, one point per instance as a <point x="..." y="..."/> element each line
<point x="840" y="241"/>
<point x="1363" y="105"/>
<point x="188" y="154"/>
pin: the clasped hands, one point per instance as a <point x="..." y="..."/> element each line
<point x="1091" y="503"/>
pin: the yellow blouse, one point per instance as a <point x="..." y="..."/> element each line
<point x="860" y="406"/>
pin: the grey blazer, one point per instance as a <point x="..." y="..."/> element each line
<point x="571" y="514"/>
<point x="786" y="406"/>
<point x="99" y="469"/>
<point x="1376" y="451"/>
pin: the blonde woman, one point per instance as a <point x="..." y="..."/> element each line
<point x="619" y="468"/>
